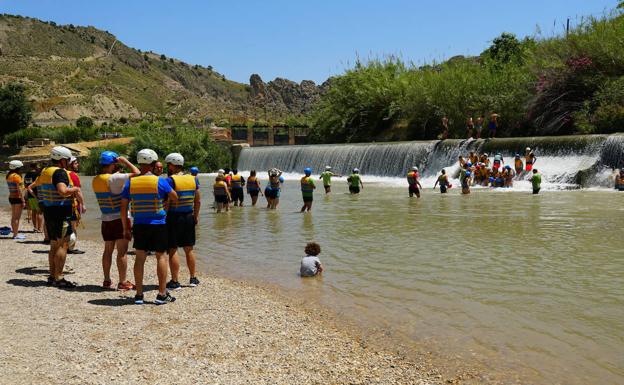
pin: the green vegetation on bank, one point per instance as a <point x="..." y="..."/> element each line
<point x="554" y="86"/>
<point x="15" y="111"/>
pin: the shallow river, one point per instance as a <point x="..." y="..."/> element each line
<point x="527" y="284"/>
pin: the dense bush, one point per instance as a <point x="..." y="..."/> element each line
<point x="15" y="110"/>
<point x="84" y="122"/>
<point x="58" y="134"/>
<point x="551" y="86"/>
<point x="90" y="164"/>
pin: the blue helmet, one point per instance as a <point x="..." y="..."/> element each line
<point x="194" y="170"/>
<point x="307" y="171"/>
<point x="469" y="164"/>
<point x="108" y="157"/>
<point x="467" y="173"/>
<point x="281" y="179"/>
<point x="517" y="155"/>
<point x="508" y="167"/>
<point x="491" y="179"/>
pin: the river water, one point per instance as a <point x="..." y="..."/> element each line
<point x="532" y="286"/>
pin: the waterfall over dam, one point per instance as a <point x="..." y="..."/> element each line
<point x="581" y="160"/>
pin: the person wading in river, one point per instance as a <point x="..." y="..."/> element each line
<point x="443" y="181"/>
<point x="307" y="190"/>
<point x="145" y="195"/>
<point x="182" y="219"/>
<point x="107" y="186"/>
<point x="326" y="177"/>
<point x="413" y="183"/>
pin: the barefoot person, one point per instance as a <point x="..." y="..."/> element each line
<point x="493" y="124"/>
<point x="237" y="183"/>
<point x="56" y="193"/>
<point x="253" y="187"/>
<point x="145" y="194"/>
<point x="182" y="218"/>
<point x="221" y="193"/>
<point x="275" y="188"/>
<point x="307" y="190"/>
<point x="443" y="182"/>
<point x="619" y="181"/>
<point x="326" y="177"/>
<point x="107" y="186"/>
<point x="536" y="181"/>
<point x="15" y="185"/>
<point x="311" y="264"/>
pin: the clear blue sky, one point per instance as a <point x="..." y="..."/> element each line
<point x="309" y="39"/>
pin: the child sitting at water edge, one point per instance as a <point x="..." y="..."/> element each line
<point x="311" y="264"/>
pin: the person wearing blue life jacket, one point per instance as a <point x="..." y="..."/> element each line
<point x="273" y="190"/>
<point x="145" y="196"/>
<point x="107" y="186"/>
<point x="307" y="189"/>
<point x="182" y="219"/>
<point x="56" y="194"/>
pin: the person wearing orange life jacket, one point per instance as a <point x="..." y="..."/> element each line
<point x="182" y="219"/>
<point x="253" y="187"/>
<point x="56" y="193"/>
<point x="15" y="185"/>
<point x="518" y="165"/>
<point x="414" y="184"/>
<point x="307" y="190"/>
<point x="530" y="159"/>
<point x="107" y="186"/>
<point x="78" y="208"/>
<point x="145" y="195"/>
<point x="237" y="183"/>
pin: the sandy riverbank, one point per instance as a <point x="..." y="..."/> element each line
<point x="222" y="332"/>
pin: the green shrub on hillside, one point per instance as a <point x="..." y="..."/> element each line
<point x="15" y="110"/>
<point x="84" y="122"/>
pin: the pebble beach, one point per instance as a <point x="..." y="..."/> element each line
<point x="221" y="332"/>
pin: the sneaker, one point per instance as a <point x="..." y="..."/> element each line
<point x="173" y="285"/>
<point x="19" y="237"/>
<point x="163" y="299"/>
<point x="194" y="282"/>
<point x="138" y="299"/>
<point x="75" y="251"/>
<point x="107" y="284"/>
<point x="50" y="280"/>
<point x="126" y="286"/>
<point x="64" y="284"/>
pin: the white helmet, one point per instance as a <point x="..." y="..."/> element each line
<point x="60" y="152"/>
<point x="415" y="168"/>
<point x="356" y="170"/>
<point x="72" y="159"/>
<point x="327" y="168"/>
<point x="175" y="159"/>
<point x="147" y="156"/>
<point x="15" y="164"/>
<point x="221" y="171"/>
<point x="528" y="149"/>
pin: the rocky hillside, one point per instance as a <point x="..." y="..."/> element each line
<point x="71" y="71"/>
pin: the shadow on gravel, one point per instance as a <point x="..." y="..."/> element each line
<point x="33" y="270"/>
<point x="41" y="251"/>
<point x="27" y="283"/>
<point x="112" y="302"/>
<point x="31" y="242"/>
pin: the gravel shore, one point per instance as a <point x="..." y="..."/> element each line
<point x="221" y="332"/>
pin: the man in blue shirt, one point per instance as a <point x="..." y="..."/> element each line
<point x="146" y="195"/>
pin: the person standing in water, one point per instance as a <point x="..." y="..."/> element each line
<point x="16" y="195"/>
<point x="536" y="181"/>
<point x="530" y="159"/>
<point x="443" y="181"/>
<point x="253" y="187"/>
<point x="274" y="188"/>
<point x="326" y="177"/>
<point x="619" y="181"/>
<point x="355" y="182"/>
<point x="221" y="193"/>
<point x="307" y="190"/>
<point x="518" y="165"/>
<point x="465" y="183"/>
<point x="107" y="186"/>
<point x="182" y="219"/>
<point x="414" y="184"/>
<point x="237" y="182"/>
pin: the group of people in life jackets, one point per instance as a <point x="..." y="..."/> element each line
<point x="479" y="170"/>
<point x="229" y="186"/>
<point x="159" y="214"/>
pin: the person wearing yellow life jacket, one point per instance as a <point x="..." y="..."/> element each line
<point x="145" y="196"/>
<point x="414" y="184"/>
<point x="237" y="182"/>
<point x="221" y="193"/>
<point x="518" y="164"/>
<point x="443" y="182"/>
<point x="107" y="186"/>
<point x="56" y="193"/>
<point x="307" y="190"/>
<point x="274" y="189"/>
<point x="182" y="218"/>
<point x="15" y="185"/>
<point x="253" y="187"/>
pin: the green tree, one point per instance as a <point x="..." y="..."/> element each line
<point x="15" y="110"/>
<point x="505" y="49"/>
<point x="84" y="122"/>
